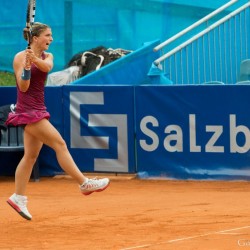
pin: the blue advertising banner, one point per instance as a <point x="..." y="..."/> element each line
<point x="174" y="132"/>
<point x="197" y="132"/>
<point x="99" y="127"/>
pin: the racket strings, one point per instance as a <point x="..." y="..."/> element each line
<point x="33" y="12"/>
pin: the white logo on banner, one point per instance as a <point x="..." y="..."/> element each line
<point x="99" y="142"/>
<point x="173" y="141"/>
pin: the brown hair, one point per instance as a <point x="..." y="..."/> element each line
<point x="36" y="29"/>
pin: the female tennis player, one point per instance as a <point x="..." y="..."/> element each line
<point x="31" y="67"/>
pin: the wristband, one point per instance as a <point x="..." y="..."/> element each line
<point x="26" y="74"/>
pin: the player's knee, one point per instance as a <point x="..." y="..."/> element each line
<point x="30" y="159"/>
<point x="60" y="145"/>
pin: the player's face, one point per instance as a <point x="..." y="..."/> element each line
<point x="45" y="39"/>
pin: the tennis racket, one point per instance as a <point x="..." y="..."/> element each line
<point x="30" y="18"/>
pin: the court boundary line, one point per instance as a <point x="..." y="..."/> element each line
<point x="186" y="238"/>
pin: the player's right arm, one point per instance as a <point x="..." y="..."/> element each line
<point x="21" y="66"/>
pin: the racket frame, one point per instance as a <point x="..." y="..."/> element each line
<point x="30" y="18"/>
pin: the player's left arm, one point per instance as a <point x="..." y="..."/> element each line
<point x="46" y="64"/>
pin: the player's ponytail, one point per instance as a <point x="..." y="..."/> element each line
<point x="26" y="34"/>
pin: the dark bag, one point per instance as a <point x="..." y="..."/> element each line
<point x="95" y="58"/>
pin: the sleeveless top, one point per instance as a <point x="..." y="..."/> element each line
<point x="30" y="106"/>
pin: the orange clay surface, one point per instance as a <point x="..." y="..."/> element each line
<point x="129" y="214"/>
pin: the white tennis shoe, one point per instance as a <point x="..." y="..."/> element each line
<point x="94" y="185"/>
<point x="19" y="203"/>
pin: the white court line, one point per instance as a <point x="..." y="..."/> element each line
<point x="231" y="233"/>
<point x="187" y="238"/>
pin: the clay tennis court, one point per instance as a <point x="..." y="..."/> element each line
<point x="130" y="214"/>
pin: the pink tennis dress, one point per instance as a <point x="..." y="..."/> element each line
<point x="30" y="106"/>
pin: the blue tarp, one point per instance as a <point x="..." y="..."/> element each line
<point x="80" y="25"/>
